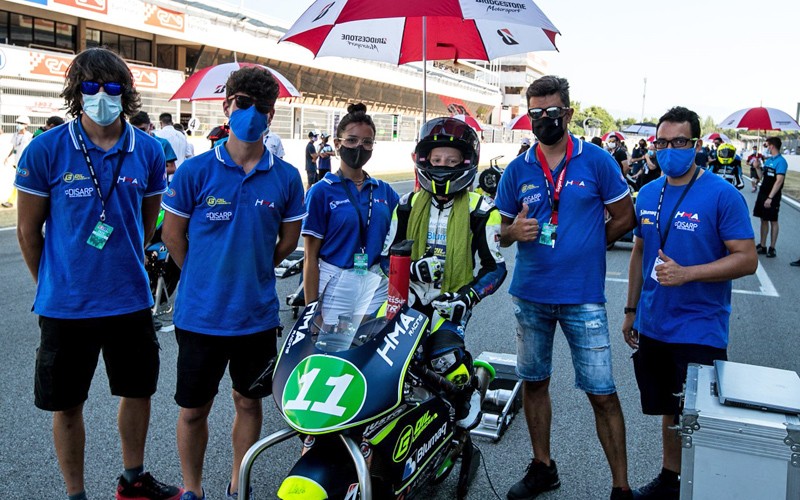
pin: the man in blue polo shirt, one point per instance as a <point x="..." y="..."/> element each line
<point x="241" y="208"/>
<point x="141" y="120"/>
<point x="768" y="201"/>
<point x="553" y="201"/>
<point x="693" y="237"/>
<point x="97" y="183"/>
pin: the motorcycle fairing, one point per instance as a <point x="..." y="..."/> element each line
<point x="382" y="361"/>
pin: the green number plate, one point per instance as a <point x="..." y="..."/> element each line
<point x="323" y="393"/>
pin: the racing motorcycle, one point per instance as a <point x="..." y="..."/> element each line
<point x="350" y="379"/>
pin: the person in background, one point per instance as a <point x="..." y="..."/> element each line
<point x="19" y="141"/>
<point x="652" y="170"/>
<point x="52" y="122"/>
<point x="756" y="162"/>
<point x="637" y="157"/>
<point x="273" y="143"/>
<point x="768" y="201"/>
<point x="701" y="155"/>
<point x="141" y="120"/>
<point x="554" y="202"/>
<point x="226" y="315"/>
<point x="189" y="145"/>
<point x="311" y="159"/>
<point x="176" y="139"/>
<point x="679" y="281"/>
<point x="597" y="141"/>
<point x="97" y="183"/>
<point x="349" y="212"/>
<point x="614" y="146"/>
<point x="324" y="156"/>
<point x="525" y="145"/>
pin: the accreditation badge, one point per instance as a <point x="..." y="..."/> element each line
<point x="360" y="262"/>
<point x="653" y="273"/>
<point x="548" y="235"/>
<point x="100" y="235"/>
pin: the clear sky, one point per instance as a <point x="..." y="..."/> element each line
<point x="712" y="56"/>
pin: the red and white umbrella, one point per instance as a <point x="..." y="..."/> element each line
<point x="652" y="138"/>
<point x="209" y="83"/>
<point x="472" y="122"/>
<point x="760" y="119"/>
<point x="620" y="135"/>
<point x="522" y="122"/>
<point x="422" y="30"/>
<point x="716" y="135"/>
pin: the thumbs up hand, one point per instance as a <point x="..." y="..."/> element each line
<point x="523" y="228"/>
<point x="670" y="273"/>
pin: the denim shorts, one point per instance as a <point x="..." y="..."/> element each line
<point x="586" y="328"/>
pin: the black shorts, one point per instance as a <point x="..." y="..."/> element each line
<point x="767" y="214"/>
<point x="68" y="353"/>
<point x="754" y="173"/>
<point x="202" y="360"/>
<point x="660" y="369"/>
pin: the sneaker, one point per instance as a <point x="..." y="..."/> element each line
<point x="538" y="479"/>
<point x="189" y="495"/>
<point x="754" y="189"/>
<point x="760" y="249"/>
<point x="771" y="252"/>
<point x="235" y="494"/>
<point x="146" y="487"/>
<point x="620" y="494"/>
<point x="659" y="489"/>
<point x="6" y="204"/>
<point x="795" y="263"/>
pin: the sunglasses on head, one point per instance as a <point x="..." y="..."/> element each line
<point x="111" y="88"/>
<point x="244" y="102"/>
<point x="551" y="112"/>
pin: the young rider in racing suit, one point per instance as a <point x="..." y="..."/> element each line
<point x="455" y="260"/>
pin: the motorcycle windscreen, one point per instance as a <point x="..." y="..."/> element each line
<point x="344" y="362"/>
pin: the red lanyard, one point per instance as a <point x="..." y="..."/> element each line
<point x="549" y="178"/>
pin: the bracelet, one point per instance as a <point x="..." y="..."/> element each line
<point x="630" y="310"/>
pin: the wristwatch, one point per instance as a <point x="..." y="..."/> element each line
<point x="630" y="310"/>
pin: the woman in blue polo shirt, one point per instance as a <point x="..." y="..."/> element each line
<point x="336" y="235"/>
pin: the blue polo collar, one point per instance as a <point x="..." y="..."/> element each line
<point x="264" y="164"/>
<point x="332" y="178"/>
<point x="128" y="137"/>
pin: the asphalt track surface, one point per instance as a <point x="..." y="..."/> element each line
<point x="763" y="331"/>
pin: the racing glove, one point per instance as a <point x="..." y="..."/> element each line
<point x="456" y="306"/>
<point x="426" y="270"/>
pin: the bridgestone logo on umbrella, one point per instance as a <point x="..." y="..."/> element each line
<point x="502" y="5"/>
<point x="363" y="39"/>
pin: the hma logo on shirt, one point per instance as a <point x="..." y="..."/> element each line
<point x="265" y="203"/>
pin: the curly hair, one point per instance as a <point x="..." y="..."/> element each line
<point x="99" y="65"/>
<point x="254" y="81"/>
<point x="356" y="113"/>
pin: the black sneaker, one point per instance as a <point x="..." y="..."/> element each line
<point x="760" y="249"/>
<point x="795" y="263"/>
<point x="538" y="479"/>
<point x="620" y="494"/>
<point x="146" y="487"/>
<point x="771" y="252"/>
<point x="659" y="489"/>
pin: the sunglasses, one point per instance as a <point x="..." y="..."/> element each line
<point x="244" y="102"/>
<point x="111" y="88"/>
<point x="551" y="112"/>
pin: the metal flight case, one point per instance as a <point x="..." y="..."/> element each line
<point x="735" y="453"/>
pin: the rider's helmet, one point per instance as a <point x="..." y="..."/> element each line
<point x="726" y="154"/>
<point x="453" y="133"/>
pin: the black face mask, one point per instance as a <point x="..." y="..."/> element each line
<point x="549" y="130"/>
<point x="355" y="157"/>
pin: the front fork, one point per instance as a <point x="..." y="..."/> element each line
<point x="362" y="470"/>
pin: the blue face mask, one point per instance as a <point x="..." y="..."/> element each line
<point x="675" y="162"/>
<point x="248" y="125"/>
<point x="101" y="108"/>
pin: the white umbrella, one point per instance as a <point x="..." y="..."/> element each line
<point x="417" y="30"/>
<point x="760" y="119"/>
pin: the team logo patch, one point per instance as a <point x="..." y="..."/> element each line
<point x="70" y="177"/>
<point x="265" y="203"/>
<point x="213" y="201"/>
<point x="171" y="193"/>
